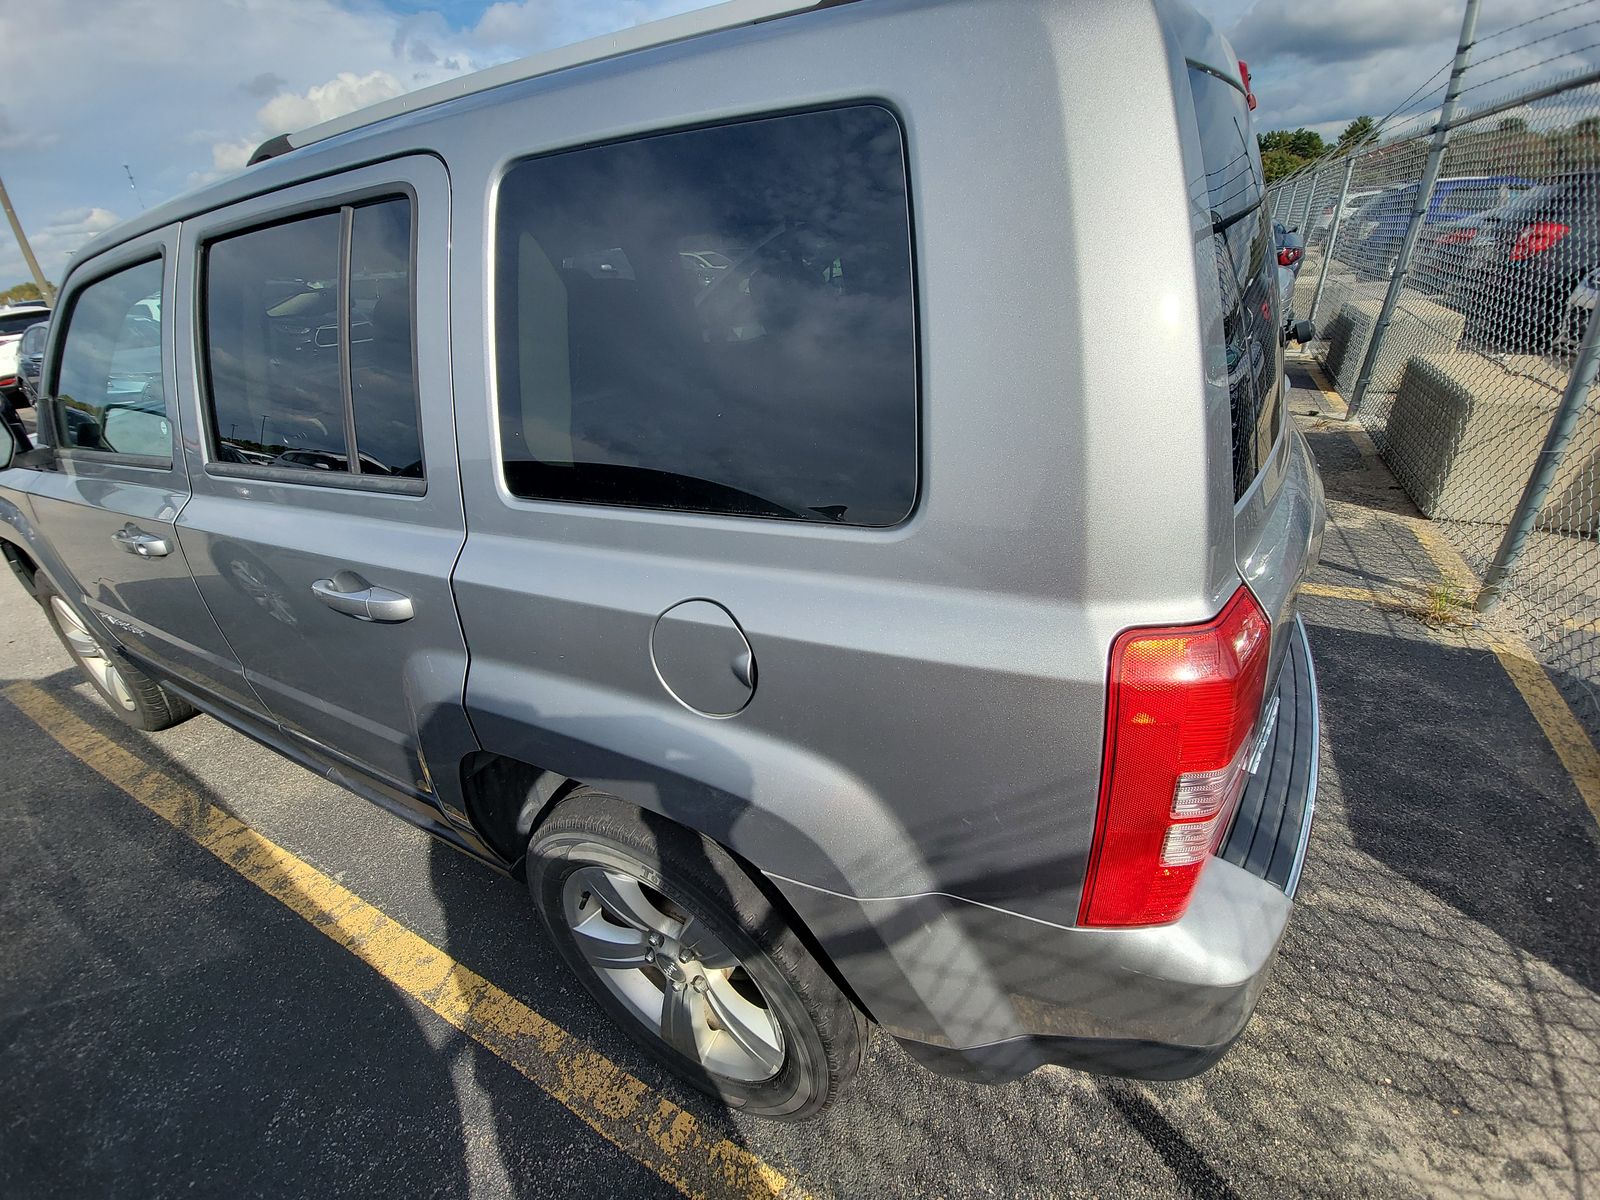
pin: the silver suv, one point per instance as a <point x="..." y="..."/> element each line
<point x="793" y="538"/>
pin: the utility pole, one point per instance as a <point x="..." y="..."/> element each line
<point x="48" y="292"/>
<point x="1419" y="211"/>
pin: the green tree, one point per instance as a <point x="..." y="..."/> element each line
<point x="1277" y="162"/>
<point x="21" y="291"/>
<point x="1358" y="133"/>
<point x="1303" y="143"/>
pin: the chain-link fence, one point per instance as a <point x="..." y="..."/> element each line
<point x="1481" y="356"/>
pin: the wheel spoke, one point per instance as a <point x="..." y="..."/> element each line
<point x="696" y="937"/>
<point x="607" y="945"/>
<point x="682" y="1014"/>
<point x="625" y="900"/>
<point x="750" y="1026"/>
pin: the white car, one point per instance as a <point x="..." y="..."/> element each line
<point x="14" y="322"/>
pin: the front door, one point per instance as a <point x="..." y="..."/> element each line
<point x="326" y="514"/>
<point x="108" y="508"/>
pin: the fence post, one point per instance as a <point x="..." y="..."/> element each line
<point x="1573" y="400"/>
<point x="1305" y="210"/>
<point x="1430" y="176"/>
<point x="1333" y="234"/>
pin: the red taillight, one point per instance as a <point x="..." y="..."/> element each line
<point x="1537" y="238"/>
<point x="1288" y="256"/>
<point x="1180" y="724"/>
<point x="1458" y="237"/>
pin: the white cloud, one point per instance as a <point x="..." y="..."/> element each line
<point x="345" y="92"/>
<point x="55" y="240"/>
<point x="13" y="139"/>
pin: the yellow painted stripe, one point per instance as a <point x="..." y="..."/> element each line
<point x="620" y="1108"/>
<point x="1340" y="591"/>
<point x="1562" y="729"/>
<point x="1549" y="707"/>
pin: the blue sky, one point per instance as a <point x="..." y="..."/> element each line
<point x="182" y="90"/>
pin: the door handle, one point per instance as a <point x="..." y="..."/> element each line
<point x="136" y="541"/>
<point x="352" y="595"/>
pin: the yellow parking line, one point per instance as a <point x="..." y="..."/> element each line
<point x="1562" y="729"/>
<point x="620" y="1108"/>
<point x="1342" y="591"/>
<point x="1549" y="707"/>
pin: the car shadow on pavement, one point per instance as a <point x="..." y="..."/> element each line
<point x="167" y="1027"/>
<point x="1456" y="886"/>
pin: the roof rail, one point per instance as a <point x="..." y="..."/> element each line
<point x="728" y="15"/>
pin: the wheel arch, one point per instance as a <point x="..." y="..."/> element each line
<point x="508" y="799"/>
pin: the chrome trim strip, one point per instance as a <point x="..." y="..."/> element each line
<point x="1316" y="758"/>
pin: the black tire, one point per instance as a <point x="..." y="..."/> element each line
<point x="824" y="1035"/>
<point x="146" y="705"/>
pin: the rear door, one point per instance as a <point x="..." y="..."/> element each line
<point x="327" y="507"/>
<point x="108" y="508"/>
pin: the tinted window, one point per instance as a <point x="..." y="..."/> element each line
<point x="382" y="387"/>
<point x="272" y="345"/>
<point x="718" y="320"/>
<point x="1241" y="244"/>
<point x="109" y="390"/>
<point x="275" y="315"/>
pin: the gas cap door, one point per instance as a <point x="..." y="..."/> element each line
<point x="703" y="658"/>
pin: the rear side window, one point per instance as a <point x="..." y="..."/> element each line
<point x="1241" y="244"/>
<point x="110" y="395"/>
<point x="718" y="320"/>
<point x="309" y="344"/>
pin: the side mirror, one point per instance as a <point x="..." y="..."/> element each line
<point x="1303" y="332"/>
<point x="8" y="445"/>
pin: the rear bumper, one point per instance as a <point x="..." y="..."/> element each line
<point x="984" y="994"/>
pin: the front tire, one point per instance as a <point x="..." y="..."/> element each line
<point x="135" y="698"/>
<point x="685" y="952"/>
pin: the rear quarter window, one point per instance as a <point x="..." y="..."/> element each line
<point x="717" y="320"/>
<point x="1233" y="198"/>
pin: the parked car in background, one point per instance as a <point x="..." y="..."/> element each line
<point x="14" y="321"/>
<point x="842" y="629"/>
<point x="1290" y="249"/>
<point x="30" y="358"/>
<point x="1519" y="271"/>
<point x="1375" y="233"/>
<point x="1322" y="224"/>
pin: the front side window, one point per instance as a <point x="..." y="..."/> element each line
<point x="110" y="397"/>
<point x="308" y="344"/>
<point x="718" y="320"/>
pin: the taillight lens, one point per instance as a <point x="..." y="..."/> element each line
<point x="1288" y="256"/>
<point x="1180" y="725"/>
<point x="1537" y="238"/>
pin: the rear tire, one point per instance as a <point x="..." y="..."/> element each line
<point x="135" y="698"/>
<point x="704" y="972"/>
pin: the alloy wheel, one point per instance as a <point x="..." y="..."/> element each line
<point x="95" y="660"/>
<point x="673" y="974"/>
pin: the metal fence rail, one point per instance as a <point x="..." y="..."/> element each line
<point x="1485" y="360"/>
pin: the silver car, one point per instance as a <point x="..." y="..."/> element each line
<point x="794" y="543"/>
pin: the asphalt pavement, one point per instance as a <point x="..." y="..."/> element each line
<point x="173" y="1023"/>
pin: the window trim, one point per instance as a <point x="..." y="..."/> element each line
<point x="509" y="162"/>
<point x="343" y="203"/>
<point x="137" y="256"/>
